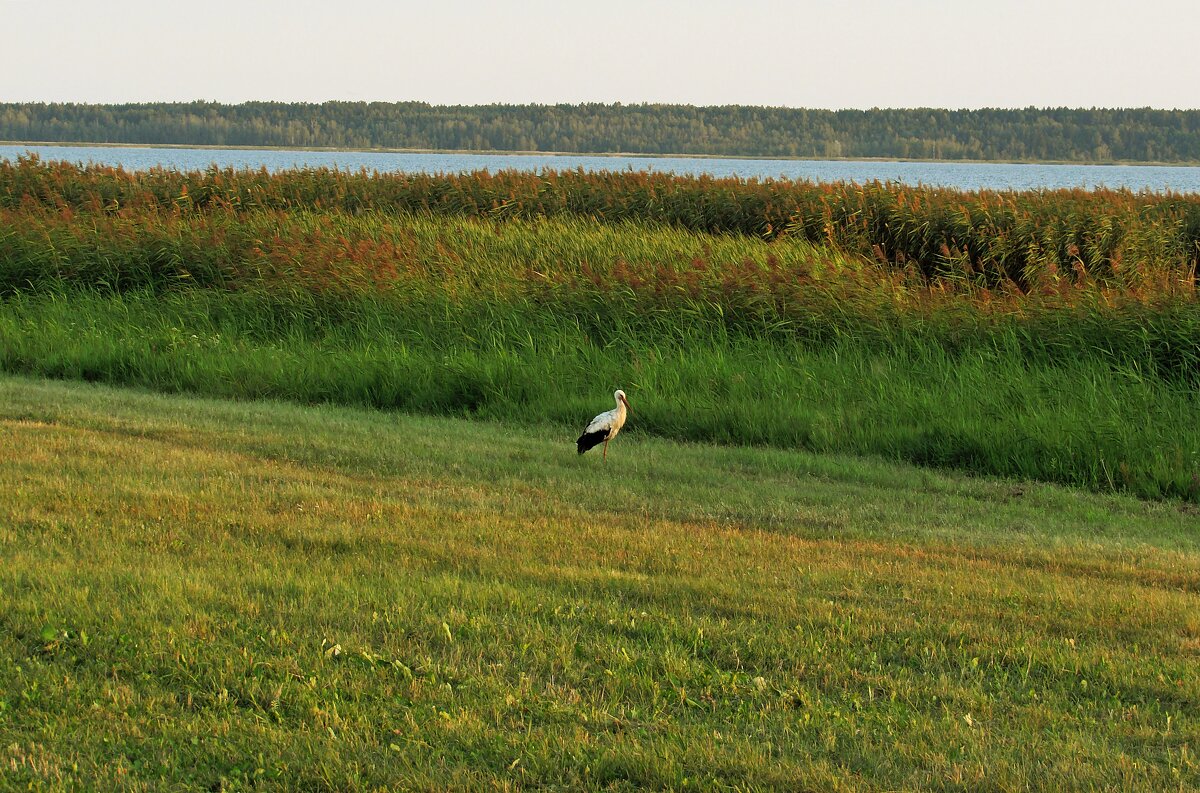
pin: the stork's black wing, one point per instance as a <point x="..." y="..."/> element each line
<point x="589" y="439"/>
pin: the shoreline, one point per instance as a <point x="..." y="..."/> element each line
<point x="614" y="154"/>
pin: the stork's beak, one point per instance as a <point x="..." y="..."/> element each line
<point x="626" y="401"/>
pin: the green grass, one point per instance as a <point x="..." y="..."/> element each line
<point x="234" y="595"/>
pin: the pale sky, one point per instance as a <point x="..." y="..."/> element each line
<point x="851" y="54"/>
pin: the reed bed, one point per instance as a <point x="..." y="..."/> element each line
<point x="985" y="238"/>
<point x="424" y="294"/>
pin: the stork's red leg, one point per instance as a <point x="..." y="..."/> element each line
<point x="606" y="450"/>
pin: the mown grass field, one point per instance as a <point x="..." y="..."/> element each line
<point x="215" y="595"/>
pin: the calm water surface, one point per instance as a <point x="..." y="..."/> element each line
<point x="967" y="176"/>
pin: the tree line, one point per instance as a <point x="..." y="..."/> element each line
<point x="1022" y="134"/>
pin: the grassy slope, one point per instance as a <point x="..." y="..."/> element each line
<point x="211" y="594"/>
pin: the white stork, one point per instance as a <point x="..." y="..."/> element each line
<point x="605" y="426"/>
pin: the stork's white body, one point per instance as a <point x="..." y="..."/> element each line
<point x="611" y="420"/>
<point x="604" y="427"/>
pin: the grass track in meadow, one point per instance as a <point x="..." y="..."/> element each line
<point x="178" y="570"/>
<point x="1088" y="421"/>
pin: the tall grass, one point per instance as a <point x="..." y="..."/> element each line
<point x="615" y="281"/>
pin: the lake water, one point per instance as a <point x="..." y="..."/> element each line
<point x="967" y="176"/>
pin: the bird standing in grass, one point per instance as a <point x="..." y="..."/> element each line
<point x="605" y="426"/>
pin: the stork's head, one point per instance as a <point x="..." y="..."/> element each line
<point x="619" y="395"/>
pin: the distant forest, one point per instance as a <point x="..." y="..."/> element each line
<point x="1030" y="134"/>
